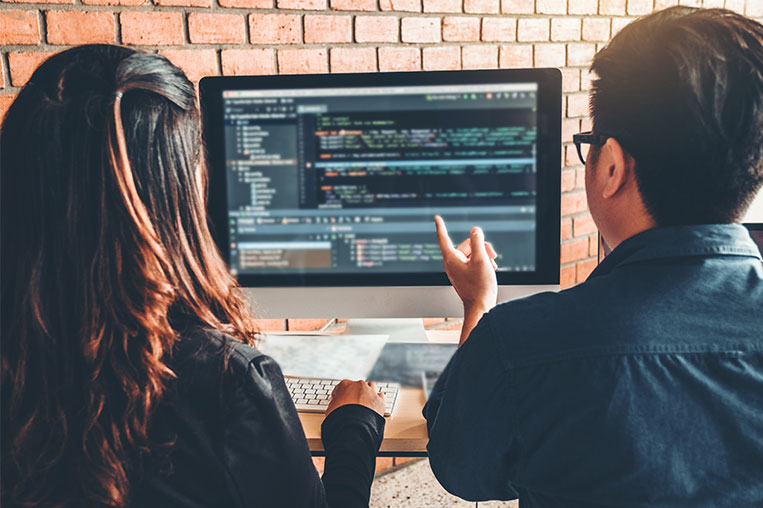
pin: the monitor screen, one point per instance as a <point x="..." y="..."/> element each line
<point x="324" y="177"/>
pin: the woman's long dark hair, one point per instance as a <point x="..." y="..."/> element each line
<point x="105" y="245"/>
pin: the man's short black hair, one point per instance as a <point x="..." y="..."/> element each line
<point x="682" y="91"/>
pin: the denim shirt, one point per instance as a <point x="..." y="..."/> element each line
<point x="641" y="387"/>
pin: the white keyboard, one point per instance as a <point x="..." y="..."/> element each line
<point x="312" y="395"/>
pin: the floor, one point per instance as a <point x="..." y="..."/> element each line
<point x="413" y="485"/>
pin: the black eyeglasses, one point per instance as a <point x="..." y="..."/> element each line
<point x="588" y="138"/>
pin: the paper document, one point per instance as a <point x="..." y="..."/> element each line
<point x="324" y="356"/>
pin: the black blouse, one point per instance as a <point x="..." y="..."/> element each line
<point x="227" y="435"/>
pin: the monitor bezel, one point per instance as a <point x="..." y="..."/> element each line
<point x="549" y="167"/>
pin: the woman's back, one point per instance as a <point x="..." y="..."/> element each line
<point x="122" y="329"/>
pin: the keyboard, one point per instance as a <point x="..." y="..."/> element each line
<point x="312" y="395"/>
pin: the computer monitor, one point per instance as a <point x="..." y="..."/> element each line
<point x="323" y="188"/>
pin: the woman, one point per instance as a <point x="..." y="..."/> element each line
<point x="128" y="376"/>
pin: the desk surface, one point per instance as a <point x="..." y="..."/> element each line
<point x="406" y="430"/>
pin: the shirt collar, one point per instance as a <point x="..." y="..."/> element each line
<point x="681" y="241"/>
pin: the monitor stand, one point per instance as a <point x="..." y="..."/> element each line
<point x="398" y="329"/>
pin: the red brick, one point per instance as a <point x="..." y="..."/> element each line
<point x="302" y="61"/>
<point x="303" y="5"/>
<point x="565" y="229"/>
<point x="323" y="29"/>
<point x="580" y="174"/>
<point x="585" y="80"/>
<point x="570" y="126"/>
<point x="206" y="28"/>
<point x="573" y="251"/>
<point x="482" y="6"/>
<point x="619" y="23"/>
<point x="443" y="5"/>
<point x="551" y="6"/>
<point x="571" y="158"/>
<point x="2" y="72"/>
<point x="248" y="62"/>
<point x="573" y="203"/>
<point x="533" y="30"/>
<point x="518" y="6"/>
<point x="184" y="3"/>
<point x="735" y="5"/>
<point x="570" y="80"/>
<point x="37" y="1"/>
<point x="196" y="63"/>
<point x="593" y="246"/>
<point x="565" y="29"/>
<point x="247" y="4"/>
<point x="459" y="28"/>
<point x="400" y="5"/>
<point x="270" y="325"/>
<point x="754" y="9"/>
<point x="577" y="105"/>
<point x="639" y="7"/>
<point x="399" y="59"/>
<point x="516" y="56"/>
<point x="353" y="59"/>
<point x="479" y="57"/>
<point x="583" y="226"/>
<point x="549" y="55"/>
<point x="319" y="463"/>
<point x="442" y="58"/>
<point x="152" y="28"/>
<point x="275" y="28"/>
<point x="596" y="29"/>
<point x="421" y="30"/>
<point x="22" y="65"/>
<point x="612" y="7"/>
<point x="584" y="269"/>
<point x="499" y="29"/>
<point x="122" y="3"/>
<point x="353" y="5"/>
<point x="306" y="325"/>
<point x="580" y="54"/>
<point x="377" y="29"/>
<point x="567" y="276"/>
<point x="19" y="27"/>
<point x="5" y="102"/>
<point x="568" y="183"/>
<point x="583" y="6"/>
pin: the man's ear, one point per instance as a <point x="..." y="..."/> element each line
<point x="618" y="166"/>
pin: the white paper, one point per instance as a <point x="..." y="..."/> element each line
<point x="324" y="356"/>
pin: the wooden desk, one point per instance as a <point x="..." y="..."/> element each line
<point x="405" y="433"/>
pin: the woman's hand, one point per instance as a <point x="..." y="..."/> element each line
<point x="357" y="392"/>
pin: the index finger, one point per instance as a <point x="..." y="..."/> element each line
<point x="442" y="235"/>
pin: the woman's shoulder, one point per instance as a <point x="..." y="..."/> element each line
<point x="201" y="350"/>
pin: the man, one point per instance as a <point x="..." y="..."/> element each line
<point x="644" y="385"/>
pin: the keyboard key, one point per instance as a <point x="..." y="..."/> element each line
<point x="313" y="395"/>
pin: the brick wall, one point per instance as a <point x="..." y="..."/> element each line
<point x="212" y="37"/>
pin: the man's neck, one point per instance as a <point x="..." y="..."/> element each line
<point x="626" y="226"/>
